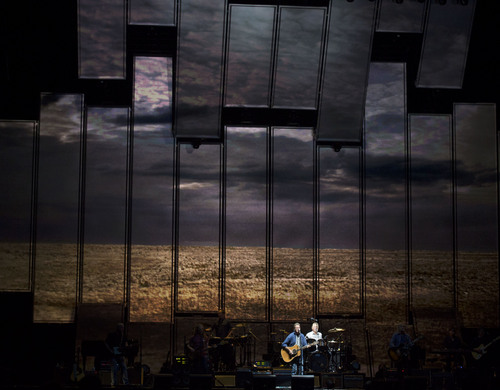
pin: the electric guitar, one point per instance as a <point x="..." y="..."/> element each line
<point x="398" y="353"/>
<point x="480" y="351"/>
<point x="295" y="351"/>
<point x="77" y="373"/>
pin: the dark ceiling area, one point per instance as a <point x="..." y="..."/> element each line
<point x="38" y="53"/>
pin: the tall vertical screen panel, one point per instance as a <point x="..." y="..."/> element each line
<point x="300" y="45"/>
<point x="101" y="39"/>
<point x="385" y="193"/>
<point x="249" y="58"/>
<point x="292" y="223"/>
<point x="57" y="231"/>
<point x="339" y="231"/>
<point x="476" y="213"/>
<point x="199" y="218"/>
<point x="346" y="71"/>
<point x="445" y="44"/>
<point x="152" y="183"/>
<point x="17" y="141"/>
<point x="105" y="204"/>
<point x="246" y="217"/>
<point x="201" y="27"/>
<point x="431" y="212"/>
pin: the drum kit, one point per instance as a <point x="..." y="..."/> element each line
<point x="330" y="354"/>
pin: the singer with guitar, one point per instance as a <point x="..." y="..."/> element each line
<point x="400" y="348"/>
<point x="292" y="347"/>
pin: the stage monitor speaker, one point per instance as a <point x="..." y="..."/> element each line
<point x="283" y="377"/>
<point x="163" y="381"/>
<point x="332" y="381"/>
<point x="244" y="378"/>
<point x="201" y="381"/>
<point x="225" y="381"/>
<point x="302" y="382"/>
<point x="264" y="381"/>
<point x="354" y="381"/>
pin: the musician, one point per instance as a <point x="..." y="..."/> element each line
<point x="453" y="344"/>
<point x="198" y="350"/>
<point x="224" y="356"/>
<point x="314" y="336"/>
<point x="114" y="342"/>
<point x="293" y="344"/>
<point x="401" y="345"/>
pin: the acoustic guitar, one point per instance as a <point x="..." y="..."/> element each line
<point x="295" y="351"/>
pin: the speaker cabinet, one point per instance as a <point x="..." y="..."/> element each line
<point x="163" y="382"/>
<point x="264" y="381"/>
<point x="302" y="382"/>
<point x="200" y="381"/>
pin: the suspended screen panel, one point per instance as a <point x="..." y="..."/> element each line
<point x="105" y="205"/>
<point x="201" y="27"/>
<point x="385" y="196"/>
<point x="346" y="70"/>
<point x="293" y="223"/>
<point x="153" y="168"/>
<point x="298" y="57"/>
<point x="249" y="56"/>
<point x="431" y="212"/>
<point x="246" y="213"/>
<point x="57" y="209"/>
<point x="476" y="212"/>
<point x="198" y="257"/>
<point x="152" y="12"/>
<point x="101" y="39"/>
<point x="339" y="231"/>
<point x="16" y="203"/>
<point x="401" y="16"/>
<point x="445" y="44"/>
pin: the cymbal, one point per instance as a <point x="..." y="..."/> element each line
<point x="239" y="326"/>
<point x="335" y="330"/>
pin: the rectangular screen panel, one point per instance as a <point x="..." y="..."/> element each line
<point x="105" y="198"/>
<point x="431" y="205"/>
<point x="101" y="39"/>
<point x="445" y="44"/>
<point x="346" y="71"/>
<point x="385" y="193"/>
<point x="152" y="183"/>
<point x="246" y="222"/>
<point x="476" y="213"/>
<point x="300" y="45"/>
<point x="249" y="58"/>
<point x="152" y="12"/>
<point x="401" y="16"/>
<point x="199" y="208"/>
<point x="17" y="148"/>
<point x="293" y="223"/>
<point x="61" y="118"/>
<point x="339" y="273"/>
<point x="198" y="99"/>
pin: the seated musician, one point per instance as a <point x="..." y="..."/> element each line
<point x="314" y="335"/>
<point x="292" y="347"/>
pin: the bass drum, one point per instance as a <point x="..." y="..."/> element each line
<point x="318" y="362"/>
